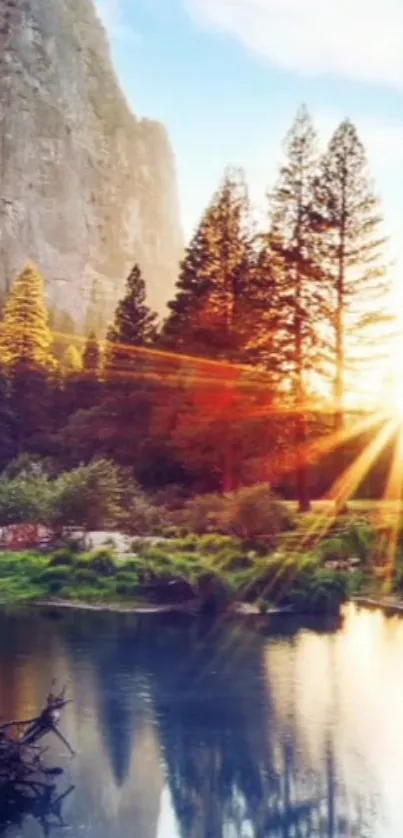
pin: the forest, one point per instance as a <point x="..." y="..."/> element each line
<point x="251" y="377"/>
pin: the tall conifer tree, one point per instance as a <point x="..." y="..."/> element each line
<point x="292" y="252"/>
<point x="206" y="314"/>
<point x="352" y="248"/>
<point x="26" y="339"/>
<point x="135" y="325"/>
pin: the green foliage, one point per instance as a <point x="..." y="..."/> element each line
<point x="319" y="592"/>
<point x="203" y="514"/>
<point x="352" y="245"/>
<point x="89" y="497"/>
<point x="134" y="325"/>
<point x="250" y="513"/>
<point x="25" y="499"/>
<point x="102" y="562"/>
<point x="142" y="516"/>
<point x="256" y="512"/>
<point x="62" y="557"/>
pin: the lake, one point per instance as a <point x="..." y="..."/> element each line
<point x="186" y="728"/>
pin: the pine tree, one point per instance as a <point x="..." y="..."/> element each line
<point x="135" y="325"/>
<point x="292" y="252"/>
<point x="206" y="315"/>
<point x="71" y="363"/>
<point x="96" y="318"/>
<point x="91" y="359"/>
<point x="351" y="248"/>
<point x="26" y="339"/>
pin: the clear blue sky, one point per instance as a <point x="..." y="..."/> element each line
<point x="227" y="76"/>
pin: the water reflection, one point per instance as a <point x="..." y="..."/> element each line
<point x="186" y="729"/>
<point x="39" y="802"/>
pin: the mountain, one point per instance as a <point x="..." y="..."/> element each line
<point x="86" y="188"/>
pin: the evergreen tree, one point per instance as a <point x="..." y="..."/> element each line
<point x="72" y="362"/>
<point x="351" y="247"/>
<point x="206" y="315"/>
<point x="26" y="339"/>
<point x="91" y="359"/>
<point x="29" y="363"/>
<point x="135" y="325"/>
<point x="292" y="252"/>
<point x="96" y="319"/>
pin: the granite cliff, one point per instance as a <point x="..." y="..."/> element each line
<point x="86" y="188"/>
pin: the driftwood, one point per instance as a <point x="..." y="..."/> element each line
<point x="27" y="784"/>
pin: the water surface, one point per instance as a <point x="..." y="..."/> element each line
<point x="189" y="729"/>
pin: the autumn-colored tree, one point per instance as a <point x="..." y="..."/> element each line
<point x="352" y="248"/>
<point x="71" y="363"/>
<point x="28" y="360"/>
<point x="26" y="339"/>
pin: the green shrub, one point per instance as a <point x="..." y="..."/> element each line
<point x="204" y="514"/>
<point x="83" y="575"/>
<point x="102" y="562"/>
<point x="256" y="512"/>
<point x="25" y="499"/>
<point x="216" y="543"/>
<point x="143" y="517"/>
<point x="334" y="549"/>
<point x="215" y="593"/>
<point x="127" y="589"/>
<point x="53" y="578"/>
<point x="250" y="513"/>
<point x="61" y="557"/>
<point x="322" y="592"/>
<point x="89" y="497"/>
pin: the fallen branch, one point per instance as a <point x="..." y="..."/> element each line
<point x="25" y="787"/>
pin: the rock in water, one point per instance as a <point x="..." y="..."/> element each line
<point x="86" y="188"/>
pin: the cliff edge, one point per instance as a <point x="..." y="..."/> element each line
<point x="86" y="188"/>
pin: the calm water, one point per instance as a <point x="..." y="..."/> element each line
<point x="197" y="730"/>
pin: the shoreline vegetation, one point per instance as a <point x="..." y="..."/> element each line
<point x="295" y="572"/>
<point x="246" y="552"/>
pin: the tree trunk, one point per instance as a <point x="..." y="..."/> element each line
<point x="339" y="318"/>
<point x="301" y="475"/>
<point x="301" y="471"/>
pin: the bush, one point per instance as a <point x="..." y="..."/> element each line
<point x="253" y="513"/>
<point x="25" y="500"/>
<point x="61" y="557"/>
<point x="257" y="513"/>
<point x="203" y="514"/>
<point x="321" y="593"/>
<point x="101" y="562"/>
<point x="215" y="593"/>
<point x="54" y="578"/>
<point x="84" y="576"/>
<point x="335" y="550"/>
<point x="89" y="497"/>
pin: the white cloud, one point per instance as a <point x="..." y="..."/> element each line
<point x="355" y="39"/>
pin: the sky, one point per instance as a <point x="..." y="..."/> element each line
<point x="226" y="77"/>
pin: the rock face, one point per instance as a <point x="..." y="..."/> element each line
<point x="86" y="189"/>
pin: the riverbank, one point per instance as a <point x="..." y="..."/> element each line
<point x="210" y="573"/>
<point x="389" y="605"/>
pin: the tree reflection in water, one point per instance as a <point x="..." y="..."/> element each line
<point x="39" y="800"/>
<point x="235" y="766"/>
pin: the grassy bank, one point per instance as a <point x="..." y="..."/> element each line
<point x="211" y="571"/>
